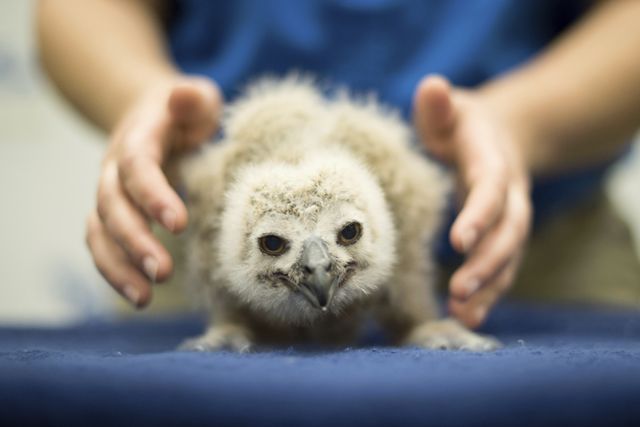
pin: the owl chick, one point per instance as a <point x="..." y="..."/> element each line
<point x="309" y="216"/>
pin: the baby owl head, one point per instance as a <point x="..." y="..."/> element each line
<point x="302" y="241"/>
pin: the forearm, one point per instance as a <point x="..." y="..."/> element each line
<point x="103" y="54"/>
<point x="578" y="103"/>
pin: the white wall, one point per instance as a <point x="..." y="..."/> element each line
<point x="48" y="170"/>
<point x="624" y="190"/>
<point x="49" y="163"/>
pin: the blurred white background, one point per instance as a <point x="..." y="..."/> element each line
<point x="49" y="160"/>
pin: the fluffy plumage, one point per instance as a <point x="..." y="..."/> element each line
<point x="308" y="215"/>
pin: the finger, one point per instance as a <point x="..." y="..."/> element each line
<point x="482" y="208"/>
<point x="434" y="113"/>
<point x="483" y="172"/>
<point x="126" y="225"/>
<point x="472" y="312"/>
<point x="496" y="248"/>
<point x="192" y="136"/>
<point x="195" y="107"/>
<point x="193" y="100"/>
<point x="147" y="186"/>
<point x="114" y="265"/>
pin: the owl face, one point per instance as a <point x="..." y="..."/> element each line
<point x="300" y="242"/>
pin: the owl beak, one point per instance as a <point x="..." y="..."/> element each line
<point x="319" y="282"/>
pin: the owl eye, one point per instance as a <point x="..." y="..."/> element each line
<point x="350" y="234"/>
<point x="273" y="245"/>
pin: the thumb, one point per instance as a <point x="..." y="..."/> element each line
<point x="434" y="114"/>
<point x="194" y="106"/>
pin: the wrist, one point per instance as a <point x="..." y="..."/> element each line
<point x="148" y="90"/>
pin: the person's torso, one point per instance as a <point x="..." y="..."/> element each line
<point x="379" y="46"/>
<point x="383" y="46"/>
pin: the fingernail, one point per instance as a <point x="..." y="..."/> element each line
<point x="168" y="219"/>
<point x="150" y="266"/>
<point x="472" y="286"/>
<point x="132" y="294"/>
<point x="468" y="239"/>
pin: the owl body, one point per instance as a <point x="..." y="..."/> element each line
<point x="309" y="216"/>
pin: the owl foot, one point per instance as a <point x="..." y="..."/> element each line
<point x="216" y="338"/>
<point x="448" y="334"/>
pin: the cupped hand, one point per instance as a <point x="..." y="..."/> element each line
<point x="461" y="129"/>
<point x="133" y="190"/>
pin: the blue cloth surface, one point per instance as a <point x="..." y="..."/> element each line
<point x="560" y="366"/>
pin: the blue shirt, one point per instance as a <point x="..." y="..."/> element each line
<point x="385" y="46"/>
<point x="381" y="46"/>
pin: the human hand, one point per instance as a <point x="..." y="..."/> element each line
<point x="133" y="189"/>
<point x="463" y="130"/>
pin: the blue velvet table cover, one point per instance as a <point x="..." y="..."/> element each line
<point x="560" y="366"/>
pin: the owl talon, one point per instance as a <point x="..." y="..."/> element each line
<point x="215" y="339"/>
<point x="450" y="335"/>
